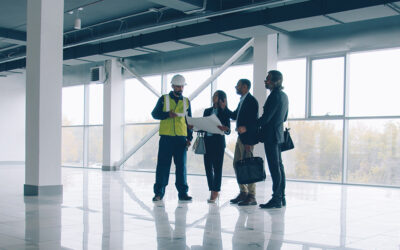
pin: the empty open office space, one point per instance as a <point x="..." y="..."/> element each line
<point x="129" y="124"/>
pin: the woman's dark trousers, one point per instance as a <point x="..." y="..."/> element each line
<point x="213" y="161"/>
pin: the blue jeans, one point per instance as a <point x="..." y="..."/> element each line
<point x="171" y="146"/>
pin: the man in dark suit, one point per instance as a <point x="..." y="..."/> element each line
<point x="246" y="116"/>
<point x="271" y="122"/>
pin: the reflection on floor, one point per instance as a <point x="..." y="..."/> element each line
<point x="113" y="210"/>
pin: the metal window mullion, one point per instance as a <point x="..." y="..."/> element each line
<point x="308" y="87"/>
<point x="77" y="126"/>
<point x="345" y="143"/>
<point x="214" y="85"/>
<point x="164" y="84"/>
<point x="124" y="122"/>
<point x="86" y="127"/>
<point x="328" y="118"/>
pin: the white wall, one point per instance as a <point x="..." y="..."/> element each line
<point x="12" y="119"/>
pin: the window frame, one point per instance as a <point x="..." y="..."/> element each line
<point x="85" y="126"/>
<point x="309" y="85"/>
<point x="345" y="117"/>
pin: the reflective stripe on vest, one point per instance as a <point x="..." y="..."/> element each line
<point x="167" y="99"/>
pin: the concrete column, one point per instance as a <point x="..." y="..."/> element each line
<point x="113" y="116"/>
<point x="265" y="58"/>
<point x="43" y="97"/>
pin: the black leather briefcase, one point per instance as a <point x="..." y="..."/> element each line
<point x="287" y="143"/>
<point x="250" y="170"/>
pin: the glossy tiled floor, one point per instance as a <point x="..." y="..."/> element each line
<point x="113" y="210"/>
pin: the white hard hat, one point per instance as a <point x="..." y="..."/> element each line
<point x="178" y="80"/>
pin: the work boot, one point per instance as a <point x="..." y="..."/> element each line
<point x="157" y="198"/>
<point x="185" y="197"/>
<point x="241" y="197"/>
<point x="249" y="201"/>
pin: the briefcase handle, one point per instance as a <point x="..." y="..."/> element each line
<point x="244" y="155"/>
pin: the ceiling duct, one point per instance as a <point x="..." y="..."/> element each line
<point x="181" y="5"/>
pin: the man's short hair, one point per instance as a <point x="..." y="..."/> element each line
<point x="246" y="82"/>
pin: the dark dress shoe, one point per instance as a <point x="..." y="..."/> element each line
<point x="185" y="197"/>
<point x="157" y="198"/>
<point x="241" y="197"/>
<point x="249" y="201"/>
<point x="272" y="204"/>
<point x="283" y="202"/>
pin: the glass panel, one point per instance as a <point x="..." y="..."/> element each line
<point x="146" y="157"/>
<point x="140" y="101"/>
<point x="72" y="146"/>
<point x="327" y="86"/>
<point x="73" y="105"/>
<point x="95" y="154"/>
<point x="318" y="151"/>
<point x="374" y="83"/>
<point x="194" y="79"/>
<point x="374" y="152"/>
<point x="228" y="80"/>
<point x="294" y="81"/>
<point x="95" y="104"/>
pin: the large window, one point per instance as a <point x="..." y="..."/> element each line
<point x="73" y="105"/>
<point x="318" y="152"/>
<point x="294" y="82"/>
<point x="82" y="121"/>
<point x="139" y="103"/>
<point x="374" y="151"/>
<point x="374" y="83"/>
<point x="350" y="131"/>
<point x="139" y="100"/>
<point x="327" y="84"/>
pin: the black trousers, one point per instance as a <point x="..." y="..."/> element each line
<point x="275" y="165"/>
<point x="213" y="161"/>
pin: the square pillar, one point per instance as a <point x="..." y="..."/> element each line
<point x="43" y="96"/>
<point x="265" y="58"/>
<point x="113" y="116"/>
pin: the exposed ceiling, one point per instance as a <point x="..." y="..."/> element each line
<point x="126" y="28"/>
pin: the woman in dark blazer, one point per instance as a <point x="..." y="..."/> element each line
<point x="215" y="144"/>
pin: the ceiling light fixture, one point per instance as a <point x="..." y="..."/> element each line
<point x="78" y="21"/>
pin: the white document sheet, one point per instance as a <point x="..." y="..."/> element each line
<point x="208" y="124"/>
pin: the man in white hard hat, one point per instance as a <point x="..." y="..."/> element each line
<point x="175" y="138"/>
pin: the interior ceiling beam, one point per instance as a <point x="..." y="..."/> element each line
<point x="13" y="36"/>
<point x="215" y="25"/>
<point x="181" y="5"/>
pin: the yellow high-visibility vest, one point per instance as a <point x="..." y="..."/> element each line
<point x="174" y="126"/>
